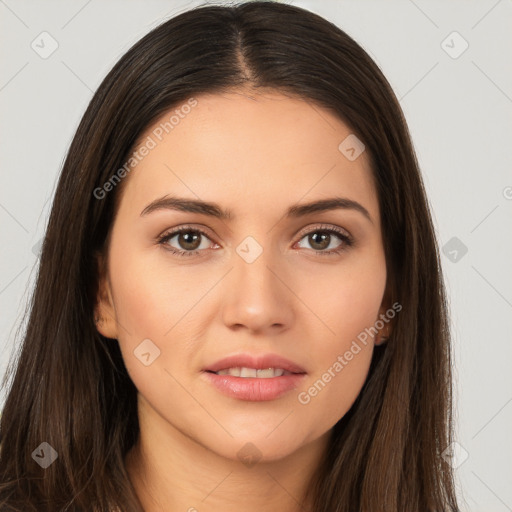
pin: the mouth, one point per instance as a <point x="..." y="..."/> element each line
<point x="256" y="366"/>
<point x="243" y="372"/>
<point x="254" y="378"/>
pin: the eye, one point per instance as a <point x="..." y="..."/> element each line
<point x="189" y="239"/>
<point x="321" y="238"/>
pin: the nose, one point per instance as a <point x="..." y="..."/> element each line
<point x="257" y="295"/>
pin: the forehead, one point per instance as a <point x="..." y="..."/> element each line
<point x="248" y="150"/>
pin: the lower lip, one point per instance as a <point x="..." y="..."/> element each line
<point x="254" y="389"/>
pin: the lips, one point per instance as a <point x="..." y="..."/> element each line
<point x="257" y="362"/>
<point x="265" y="385"/>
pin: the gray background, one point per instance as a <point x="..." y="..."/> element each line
<point x="458" y="108"/>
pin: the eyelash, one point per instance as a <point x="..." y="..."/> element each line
<point x="347" y="240"/>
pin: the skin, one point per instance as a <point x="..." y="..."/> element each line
<point x="256" y="154"/>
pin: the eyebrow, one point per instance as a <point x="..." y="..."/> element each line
<point x="214" y="210"/>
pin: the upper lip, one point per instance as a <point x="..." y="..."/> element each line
<point x="258" y="362"/>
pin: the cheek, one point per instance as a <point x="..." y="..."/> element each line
<point x="159" y="301"/>
<point x="150" y="296"/>
<point x="345" y="297"/>
<point x="332" y="391"/>
<point x="342" y="359"/>
<point x="347" y="301"/>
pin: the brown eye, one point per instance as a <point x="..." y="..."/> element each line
<point x="321" y="239"/>
<point x="188" y="242"/>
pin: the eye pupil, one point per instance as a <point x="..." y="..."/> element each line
<point x="324" y="237"/>
<point x="188" y="240"/>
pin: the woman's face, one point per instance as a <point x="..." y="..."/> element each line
<point x="257" y="283"/>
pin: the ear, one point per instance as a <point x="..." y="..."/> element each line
<point x="385" y="332"/>
<point x="104" y="310"/>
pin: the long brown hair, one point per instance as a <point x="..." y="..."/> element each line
<point x="70" y="388"/>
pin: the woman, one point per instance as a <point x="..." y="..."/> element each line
<point x="240" y="303"/>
